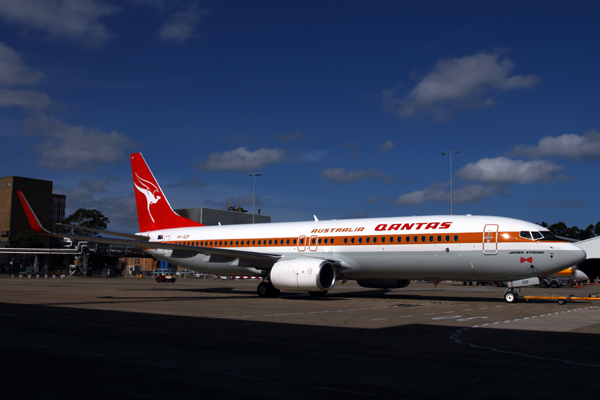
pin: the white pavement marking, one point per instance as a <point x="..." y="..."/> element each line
<point x="454" y="336"/>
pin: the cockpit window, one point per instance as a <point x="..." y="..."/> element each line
<point x="536" y="235"/>
<point x="548" y="235"/>
<point x="525" y="234"/>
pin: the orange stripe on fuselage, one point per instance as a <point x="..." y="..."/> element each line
<point x="359" y="240"/>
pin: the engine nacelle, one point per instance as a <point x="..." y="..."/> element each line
<point x="303" y="274"/>
<point x="383" y="283"/>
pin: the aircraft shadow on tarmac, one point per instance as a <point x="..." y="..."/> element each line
<point x="62" y="352"/>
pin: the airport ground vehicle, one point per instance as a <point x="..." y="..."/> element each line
<point x="162" y="278"/>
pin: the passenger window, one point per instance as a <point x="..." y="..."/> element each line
<point x="269" y="241"/>
<point x="525" y="234"/>
<point x="431" y="238"/>
<point x="253" y="242"/>
<point x="359" y="240"/>
<point x="456" y="238"/>
<point x="325" y="241"/>
<point x="345" y="240"/>
<point x="374" y="240"/>
<point x="331" y="241"/>
<point x="287" y="241"/>
<point x="447" y="238"/>
<point x="294" y="241"/>
<point x="439" y="238"/>
<point x="422" y="238"/>
<point x="352" y="240"/>
<point x="367" y="240"/>
<point x="301" y="241"/>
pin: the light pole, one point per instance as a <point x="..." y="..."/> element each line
<point x="451" y="193"/>
<point x="254" y="174"/>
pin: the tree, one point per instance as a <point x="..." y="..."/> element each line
<point x="25" y="240"/>
<point x="88" y="219"/>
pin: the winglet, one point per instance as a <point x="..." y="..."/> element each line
<point x="33" y="220"/>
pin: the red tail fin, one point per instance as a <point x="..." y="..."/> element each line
<point x="34" y="222"/>
<point x="154" y="211"/>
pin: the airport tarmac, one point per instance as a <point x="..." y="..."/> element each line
<point x="89" y="338"/>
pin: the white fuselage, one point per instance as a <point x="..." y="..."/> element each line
<point x="424" y="247"/>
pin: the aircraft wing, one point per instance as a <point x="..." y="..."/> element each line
<point x="125" y="235"/>
<point x="179" y="251"/>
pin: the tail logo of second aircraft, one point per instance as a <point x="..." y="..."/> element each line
<point x="149" y="190"/>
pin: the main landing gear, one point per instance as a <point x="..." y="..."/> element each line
<point x="511" y="296"/>
<point x="266" y="289"/>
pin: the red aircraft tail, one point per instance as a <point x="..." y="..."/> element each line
<point x="154" y="211"/>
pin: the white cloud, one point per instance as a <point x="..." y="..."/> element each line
<point x="340" y="174"/>
<point x="372" y="199"/>
<point x="503" y="170"/>
<point x="27" y="99"/>
<point x="571" y="146"/>
<point x="13" y="72"/>
<point x="180" y="25"/>
<point x="76" y="20"/>
<point x="67" y="147"/>
<point x="387" y="146"/>
<point x="456" y="83"/>
<point x="437" y="192"/>
<point x="241" y="159"/>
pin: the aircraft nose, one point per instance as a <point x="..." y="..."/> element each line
<point x="574" y="256"/>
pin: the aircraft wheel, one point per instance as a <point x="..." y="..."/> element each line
<point x="266" y="289"/>
<point x="561" y="301"/>
<point x="172" y="280"/>
<point x="554" y="284"/>
<point x="511" y="297"/>
<point x="158" y="279"/>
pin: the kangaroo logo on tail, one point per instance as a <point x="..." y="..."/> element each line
<point x="150" y="191"/>
<point x="153" y="209"/>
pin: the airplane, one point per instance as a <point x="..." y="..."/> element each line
<point x="312" y="256"/>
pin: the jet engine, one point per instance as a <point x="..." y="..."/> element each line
<point x="303" y="274"/>
<point x="383" y="283"/>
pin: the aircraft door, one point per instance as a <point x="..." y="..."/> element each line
<point x="166" y="240"/>
<point x="490" y="239"/>
<point x="302" y="243"/>
<point x="314" y="242"/>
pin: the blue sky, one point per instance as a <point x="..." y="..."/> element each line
<point x="344" y="106"/>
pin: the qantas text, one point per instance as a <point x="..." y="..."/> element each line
<point x="415" y="225"/>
